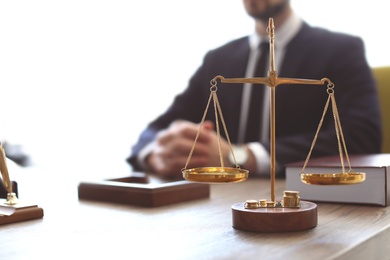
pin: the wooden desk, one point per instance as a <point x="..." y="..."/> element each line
<point x="200" y="229"/>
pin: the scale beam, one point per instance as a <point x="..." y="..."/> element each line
<point x="273" y="81"/>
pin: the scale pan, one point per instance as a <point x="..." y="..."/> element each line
<point x="333" y="178"/>
<point x="215" y="174"/>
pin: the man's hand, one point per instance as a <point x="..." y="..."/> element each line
<point x="174" y="144"/>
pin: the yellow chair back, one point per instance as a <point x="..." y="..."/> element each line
<point x="382" y="77"/>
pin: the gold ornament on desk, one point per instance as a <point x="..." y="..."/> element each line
<point x="12" y="199"/>
<point x="289" y="214"/>
<point x="11" y="209"/>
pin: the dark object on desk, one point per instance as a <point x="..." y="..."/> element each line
<point x="15" y="153"/>
<point x="3" y="190"/>
<point x="374" y="190"/>
<point x="19" y="212"/>
<point x="142" y="190"/>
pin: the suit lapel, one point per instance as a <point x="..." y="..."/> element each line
<point x="233" y="94"/>
<point x="240" y="60"/>
<point x="295" y="52"/>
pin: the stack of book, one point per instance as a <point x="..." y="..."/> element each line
<point x="374" y="190"/>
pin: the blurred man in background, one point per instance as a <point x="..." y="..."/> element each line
<point x="301" y="51"/>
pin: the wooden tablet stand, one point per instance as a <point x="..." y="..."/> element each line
<point x="144" y="190"/>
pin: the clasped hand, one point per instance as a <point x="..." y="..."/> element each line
<point x="173" y="146"/>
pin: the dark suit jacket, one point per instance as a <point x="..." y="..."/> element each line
<point x="313" y="53"/>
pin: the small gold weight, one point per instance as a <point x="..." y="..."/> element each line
<point x="291" y="199"/>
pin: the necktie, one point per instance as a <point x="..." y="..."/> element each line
<point x="257" y="96"/>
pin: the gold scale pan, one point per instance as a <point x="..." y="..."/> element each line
<point x="230" y="174"/>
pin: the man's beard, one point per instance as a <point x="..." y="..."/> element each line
<point x="271" y="11"/>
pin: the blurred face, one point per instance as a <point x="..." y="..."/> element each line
<point x="264" y="9"/>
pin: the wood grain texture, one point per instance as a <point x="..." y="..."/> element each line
<point x="198" y="229"/>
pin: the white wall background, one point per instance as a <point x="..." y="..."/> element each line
<point x="80" y="79"/>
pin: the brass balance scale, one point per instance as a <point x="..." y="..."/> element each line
<point x="289" y="214"/>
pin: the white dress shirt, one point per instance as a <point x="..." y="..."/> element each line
<point x="283" y="35"/>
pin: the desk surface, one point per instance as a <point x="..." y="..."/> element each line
<point x="201" y="229"/>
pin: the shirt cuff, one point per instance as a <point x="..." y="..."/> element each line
<point x="262" y="158"/>
<point x="143" y="153"/>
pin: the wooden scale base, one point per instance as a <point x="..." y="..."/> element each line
<point x="274" y="220"/>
